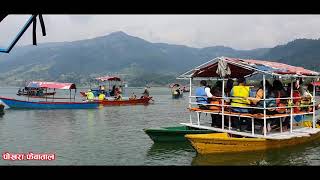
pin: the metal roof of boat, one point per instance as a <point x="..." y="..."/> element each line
<point x="51" y="85"/>
<point x="236" y="67"/>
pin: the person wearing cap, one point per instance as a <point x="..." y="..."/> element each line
<point x="90" y="95"/>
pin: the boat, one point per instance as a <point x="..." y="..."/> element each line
<point x="176" y="91"/>
<point x="177" y="96"/>
<point x="20" y="104"/>
<point x="110" y="99"/>
<point x="1" y="109"/>
<point x="228" y="139"/>
<point x="30" y="104"/>
<point x="173" y="134"/>
<point x="227" y="143"/>
<point x="112" y="81"/>
<point x="113" y="102"/>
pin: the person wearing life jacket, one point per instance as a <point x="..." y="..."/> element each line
<point x="241" y="94"/>
<point x="203" y="91"/>
<point x="101" y="96"/>
<point x="90" y="95"/>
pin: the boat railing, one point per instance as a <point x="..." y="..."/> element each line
<point x="225" y="107"/>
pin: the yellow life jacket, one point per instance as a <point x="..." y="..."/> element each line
<point x="90" y="95"/>
<point x="241" y="92"/>
<point x="101" y="97"/>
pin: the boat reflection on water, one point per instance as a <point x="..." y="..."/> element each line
<point x="161" y="150"/>
<point x="296" y="156"/>
<point x="249" y="158"/>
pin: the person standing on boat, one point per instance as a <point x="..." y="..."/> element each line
<point x="146" y="92"/>
<point x="204" y="92"/>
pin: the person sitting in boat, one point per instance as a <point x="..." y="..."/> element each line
<point x="90" y="95"/>
<point x="101" y="96"/>
<point x="204" y="92"/>
<point x="240" y="99"/>
<point x="19" y="91"/>
<point x="258" y="100"/>
<point x="133" y="96"/>
<point x="112" y="92"/>
<point x="241" y="94"/>
<point x="117" y="94"/>
<point x="216" y="91"/>
<point x="307" y="99"/>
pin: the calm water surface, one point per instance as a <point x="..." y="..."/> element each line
<point x="114" y="136"/>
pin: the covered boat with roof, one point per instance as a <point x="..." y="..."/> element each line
<point x="50" y="102"/>
<point x="257" y="135"/>
<point x="113" y="96"/>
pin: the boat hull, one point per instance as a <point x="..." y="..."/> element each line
<point x="19" y="104"/>
<point x="177" y="96"/>
<point x="1" y="109"/>
<point x="125" y="102"/>
<point x="222" y="143"/>
<point x="173" y="134"/>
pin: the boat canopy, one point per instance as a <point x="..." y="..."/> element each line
<point x="236" y="67"/>
<point x="108" y="78"/>
<point x="51" y="85"/>
<point x="316" y="83"/>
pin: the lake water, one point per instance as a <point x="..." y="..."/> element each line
<point x="115" y="136"/>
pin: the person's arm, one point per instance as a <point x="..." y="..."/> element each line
<point x="207" y="90"/>
<point x="258" y="97"/>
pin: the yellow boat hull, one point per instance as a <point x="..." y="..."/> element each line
<point x="223" y="143"/>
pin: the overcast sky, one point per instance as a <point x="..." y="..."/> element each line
<point x="236" y="31"/>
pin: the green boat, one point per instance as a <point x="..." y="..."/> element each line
<point x="173" y="134"/>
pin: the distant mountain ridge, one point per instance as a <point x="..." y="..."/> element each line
<point x="141" y="61"/>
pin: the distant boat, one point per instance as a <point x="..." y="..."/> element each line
<point x="142" y="100"/>
<point x="20" y="104"/>
<point x="1" y="109"/>
<point x="176" y="91"/>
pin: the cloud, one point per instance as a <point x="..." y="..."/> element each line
<point x="236" y="31"/>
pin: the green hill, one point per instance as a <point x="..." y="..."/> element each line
<point x="140" y="61"/>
